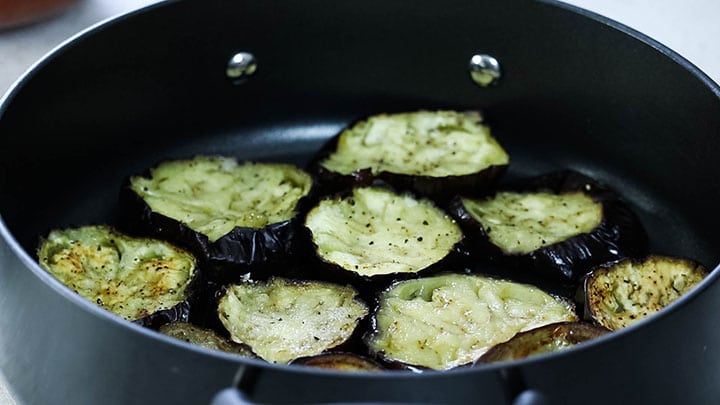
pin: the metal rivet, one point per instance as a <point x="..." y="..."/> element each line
<point x="241" y="66"/>
<point x="484" y="69"/>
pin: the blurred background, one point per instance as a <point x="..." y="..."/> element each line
<point x="31" y="28"/>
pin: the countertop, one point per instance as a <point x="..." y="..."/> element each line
<point x="689" y="27"/>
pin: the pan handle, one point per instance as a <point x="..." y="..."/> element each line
<point x="244" y="385"/>
<point x="231" y="396"/>
<point x="234" y="396"/>
<point x="247" y="376"/>
<point x="531" y="397"/>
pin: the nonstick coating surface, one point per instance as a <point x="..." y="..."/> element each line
<point x="92" y="198"/>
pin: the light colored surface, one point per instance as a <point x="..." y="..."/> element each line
<point x="689" y="27"/>
<point x="21" y="47"/>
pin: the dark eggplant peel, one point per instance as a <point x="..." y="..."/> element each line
<point x="282" y="320"/>
<point x="450" y="320"/>
<point x="375" y="234"/>
<point x="228" y="214"/>
<point x="545" y="339"/>
<point x="340" y="362"/>
<point x="621" y="293"/>
<point x="433" y="153"/>
<point x="204" y="338"/>
<point x="555" y="226"/>
<point x="142" y="280"/>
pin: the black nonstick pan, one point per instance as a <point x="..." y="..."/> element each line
<point x="574" y="91"/>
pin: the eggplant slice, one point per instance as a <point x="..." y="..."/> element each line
<point x="556" y="226"/>
<point x="204" y="338"/>
<point x="450" y="320"/>
<point x="340" y="362"/>
<point x="545" y="339"/>
<point x="281" y="320"/>
<point x="376" y="233"/>
<point x="621" y="293"/>
<point x="228" y="214"/>
<point x="142" y="280"/>
<point x="433" y="153"/>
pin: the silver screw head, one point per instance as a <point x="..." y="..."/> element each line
<point x="241" y="66"/>
<point x="484" y="69"/>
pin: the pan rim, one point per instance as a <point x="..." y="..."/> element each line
<point x="29" y="262"/>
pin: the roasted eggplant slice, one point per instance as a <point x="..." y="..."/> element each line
<point x="203" y="337"/>
<point x="621" y="293"/>
<point x="141" y="280"/>
<point x="545" y="339"/>
<point x="376" y="233"/>
<point x="339" y="362"/>
<point x="228" y="214"/>
<point x="281" y="320"/>
<point x="450" y="320"/>
<point x="433" y="153"/>
<point x="556" y="226"/>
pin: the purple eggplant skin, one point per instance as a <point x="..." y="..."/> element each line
<point x="181" y="312"/>
<point x="369" y="285"/>
<point x="340" y="361"/>
<point x="620" y="233"/>
<point x="204" y="337"/>
<point x="352" y="342"/>
<point x="320" y="269"/>
<point x="545" y="339"/>
<point x="614" y="305"/>
<point x="178" y="313"/>
<point x="439" y="189"/>
<point x="262" y="251"/>
<point x="373" y="329"/>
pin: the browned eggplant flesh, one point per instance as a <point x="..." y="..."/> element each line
<point x="136" y="278"/>
<point x="434" y="153"/>
<point x="403" y="210"/>
<point x="340" y="362"/>
<point x="621" y="293"/>
<point x="555" y="226"/>
<point x="545" y="339"/>
<point x="203" y="337"/>
<point x="450" y="320"/>
<point x="282" y="320"/>
<point x="224" y="211"/>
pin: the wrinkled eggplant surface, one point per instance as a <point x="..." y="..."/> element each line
<point x="433" y="153"/>
<point x="395" y="199"/>
<point x="545" y="339"/>
<point x="375" y="233"/>
<point x="621" y="293"/>
<point x="450" y="320"/>
<point x="340" y="362"/>
<point x="203" y="337"/>
<point x="142" y="280"/>
<point x="282" y="320"/>
<point x="227" y="213"/>
<point x="555" y="226"/>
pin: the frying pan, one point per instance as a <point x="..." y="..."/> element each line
<point x="575" y="91"/>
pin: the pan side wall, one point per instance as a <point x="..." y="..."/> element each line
<point x="574" y="93"/>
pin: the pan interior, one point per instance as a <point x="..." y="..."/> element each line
<point x="58" y="193"/>
<point x="118" y="101"/>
